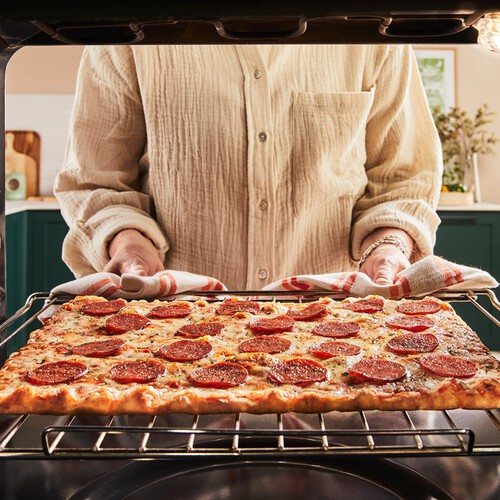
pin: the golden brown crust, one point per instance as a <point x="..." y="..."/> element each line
<point x="96" y="393"/>
<point x="141" y="400"/>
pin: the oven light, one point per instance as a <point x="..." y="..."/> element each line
<point x="488" y="28"/>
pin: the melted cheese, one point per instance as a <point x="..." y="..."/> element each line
<point x="70" y="327"/>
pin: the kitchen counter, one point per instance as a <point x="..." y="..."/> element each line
<point x="13" y="207"/>
<point x="475" y="207"/>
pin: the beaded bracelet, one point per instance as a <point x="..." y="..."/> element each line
<point x="392" y="240"/>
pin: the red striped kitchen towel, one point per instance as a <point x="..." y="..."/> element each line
<point x="428" y="275"/>
<point x="130" y="286"/>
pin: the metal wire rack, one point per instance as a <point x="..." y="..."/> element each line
<point x="386" y="434"/>
<point x="335" y="434"/>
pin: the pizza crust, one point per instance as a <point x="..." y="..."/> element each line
<point x="144" y="400"/>
<point x="96" y="393"/>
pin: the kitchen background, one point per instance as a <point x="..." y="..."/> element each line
<point x="40" y="85"/>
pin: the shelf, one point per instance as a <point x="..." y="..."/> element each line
<point x="333" y="434"/>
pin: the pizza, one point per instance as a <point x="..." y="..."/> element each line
<point x="100" y="356"/>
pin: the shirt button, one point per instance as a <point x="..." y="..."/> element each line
<point x="257" y="74"/>
<point x="262" y="274"/>
<point x="263" y="205"/>
<point x="262" y="137"/>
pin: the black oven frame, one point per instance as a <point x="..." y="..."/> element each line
<point x="223" y="22"/>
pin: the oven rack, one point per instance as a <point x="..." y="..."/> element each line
<point x="53" y="299"/>
<point x="245" y="436"/>
<point x="333" y="434"/>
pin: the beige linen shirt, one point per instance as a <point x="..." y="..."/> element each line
<point x="248" y="168"/>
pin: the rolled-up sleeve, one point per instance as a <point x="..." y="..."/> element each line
<point x="101" y="187"/>
<point x="404" y="160"/>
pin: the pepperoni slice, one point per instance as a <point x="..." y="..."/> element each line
<point x="336" y="329"/>
<point x="267" y="326"/>
<point x="425" y="306"/>
<point x="99" y="349"/>
<point x="269" y="344"/>
<point x="413" y="343"/>
<point x="334" y="348"/>
<point x="377" y="370"/>
<point x="57" y="372"/>
<point x="411" y="323"/>
<point x="365" y="305"/>
<point x="186" y="350"/>
<point x="126" y="322"/>
<point x="232" y="306"/>
<point x="196" y="330"/>
<point x="136" y="371"/>
<point x="219" y="376"/>
<point x="176" y="310"/>
<point x="312" y="311"/>
<point x="444" y="365"/>
<point x="103" y="307"/>
<point x="298" y="371"/>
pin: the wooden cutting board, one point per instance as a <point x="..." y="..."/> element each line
<point x="22" y="158"/>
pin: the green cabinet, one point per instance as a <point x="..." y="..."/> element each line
<point x="472" y="238"/>
<point x="16" y="248"/>
<point x="16" y="252"/>
<point x="46" y="234"/>
<point x="33" y="247"/>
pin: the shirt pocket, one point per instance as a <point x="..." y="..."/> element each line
<point x="328" y="146"/>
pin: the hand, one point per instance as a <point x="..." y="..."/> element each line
<point x="131" y="252"/>
<point x="386" y="260"/>
<point x="384" y="263"/>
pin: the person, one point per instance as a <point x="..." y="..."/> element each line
<point x="249" y="163"/>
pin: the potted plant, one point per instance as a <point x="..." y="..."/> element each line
<point x="462" y="138"/>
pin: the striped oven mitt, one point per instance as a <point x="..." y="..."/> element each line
<point x="428" y="275"/>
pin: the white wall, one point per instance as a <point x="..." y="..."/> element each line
<point x="478" y="82"/>
<point x="48" y="114"/>
<point x="40" y="85"/>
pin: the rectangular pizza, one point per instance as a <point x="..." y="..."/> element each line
<point x="99" y="356"/>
